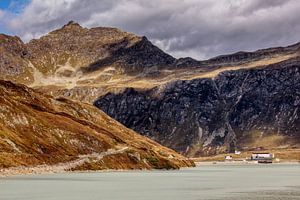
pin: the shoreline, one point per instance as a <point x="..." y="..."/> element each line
<point x="24" y="171"/>
<point x="48" y="170"/>
<point x="12" y="172"/>
<point x="59" y="167"/>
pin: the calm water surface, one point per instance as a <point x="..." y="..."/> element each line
<point x="203" y="182"/>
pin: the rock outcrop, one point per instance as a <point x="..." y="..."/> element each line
<point x="13" y="59"/>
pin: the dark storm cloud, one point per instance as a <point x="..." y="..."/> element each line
<point x="197" y="28"/>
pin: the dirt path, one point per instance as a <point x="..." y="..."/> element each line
<point x="60" y="167"/>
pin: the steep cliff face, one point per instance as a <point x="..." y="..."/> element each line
<point x="265" y="99"/>
<point x="184" y="114"/>
<point x="36" y="129"/>
<point x="208" y="116"/>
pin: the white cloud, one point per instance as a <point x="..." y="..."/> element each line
<point x="1" y="14"/>
<point x="198" y="28"/>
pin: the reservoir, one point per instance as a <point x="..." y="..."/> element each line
<point x="265" y="181"/>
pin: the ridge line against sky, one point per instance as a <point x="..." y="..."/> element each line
<point x="195" y="28"/>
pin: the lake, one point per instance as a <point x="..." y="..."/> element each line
<point x="270" y="181"/>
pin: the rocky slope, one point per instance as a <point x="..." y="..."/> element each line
<point x="208" y="116"/>
<point x="36" y="129"/>
<point x="13" y="59"/>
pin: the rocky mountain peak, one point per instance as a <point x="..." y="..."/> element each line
<point x="72" y="23"/>
<point x="71" y="26"/>
<point x="91" y="50"/>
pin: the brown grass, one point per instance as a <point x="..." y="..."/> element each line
<point x="36" y="129"/>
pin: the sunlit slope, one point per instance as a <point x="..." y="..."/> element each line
<point x="37" y="129"/>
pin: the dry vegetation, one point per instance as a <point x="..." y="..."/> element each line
<point x="37" y="129"/>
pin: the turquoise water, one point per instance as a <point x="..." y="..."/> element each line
<point x="203" y="182"/>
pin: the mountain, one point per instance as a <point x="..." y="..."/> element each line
<point x="36" y="129"/>
<point x="245" y="100"/>
<point x="83" y="64"/>
<point x="73" y="61"/>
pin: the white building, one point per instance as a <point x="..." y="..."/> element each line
<point x="236" y="152"/>
<point x="228" y="157"/>
<point x="262" y="157"/>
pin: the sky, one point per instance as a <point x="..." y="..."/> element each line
<point x="183" y="28"/>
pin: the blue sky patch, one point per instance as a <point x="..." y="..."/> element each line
<point x="13" y="6"/>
